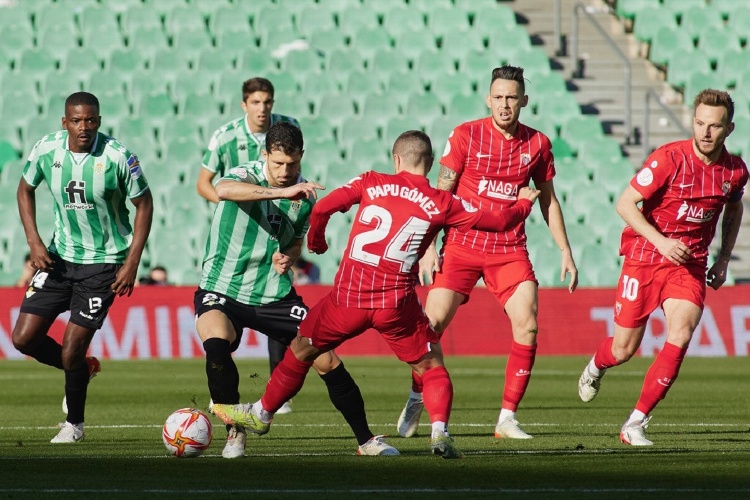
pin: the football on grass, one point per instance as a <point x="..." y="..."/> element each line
<point x="187" y="433"/>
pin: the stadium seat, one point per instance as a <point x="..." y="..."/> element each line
<point x="425" y="107"/>
<point x="16" y="40"/>
<point x="36" y="61"/>
<point x="578" y="130"/>
<point x="147" y="42"/>
<point x="312" y="19"/>
<point x="81" y="61"/>
<point x="412" y="43"/>
<point x="54" y="15"/>
<point x="731" y="65"/>
<point x="404" y="82"/>
<point x="683" y="64"/>
<point x="113" y="106"/>
<point x="629" y="8"/>
<point x="97" y="17"/>
<point x="156" y="106"/>
<point x="62" y="83"/>
<point x="363" y="82"/>
<point x="445" y="19"/>
<point x="139" y="18"/>
<point x="20" y="107"/>
<point x="10" y="133"/>
<point x="145" y="84"/>
<point x="354" y="20"/>
<point x="468" y="107"/>
<point x="57" y="41"/>
<point x="534" y="62"/>
<point x="551" y="83"/>
<point x="604" y="149"/>
<point x="235" y="42"/>
<point x="215" y="60"/>
<point x="561" y="148"/>
<point x="335" y="107"/>
<point x="229" y="18"/>
<point x="666" y="42"/>
<point x="678" y="7"/>
<point x="17" y="15"/>
<point x="367" y="152"/>
<point x="431" y="65"/>
<point x="301" y="61"/>
<point x="344" y="61"/>
<point x="455" y="44"/>
<point x="194" y="82"/>
<point x="649" y="21"/>
<point x="498" y="18"/>
<point x="714" y="43"/>
<point x="101" y="41"/>
<point x="197" y="105"/>
<point x="255" y="61"/>
<point x="386" y="61"/>
<point x="401" y="19"/>
<point x="696" y="20"/>
<point x="449" y="85"/>
<point x="184" y="18"/>
<point x="326" y="41"/>
<point x="479" y="65"/>
<point x="369" y="42"/>
<point x="739" y="21"/>
<point x="189" y="43"/>
<point x="509" y="42"/>
<point x="7" y="153"/>
<point x="557" y="108"/>
<point x="700" y="81"/>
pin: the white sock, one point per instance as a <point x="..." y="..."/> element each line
<point x="505" y="415"/>
<point x="593" y="370"/>
<point x="636" y="417"/>
<point x="415" y="395"/>
<point x="439" y="428"/>
<point x="261" y="412"/>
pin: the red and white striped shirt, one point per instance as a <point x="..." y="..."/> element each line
<point x="683" y="198"/>
<point x="491" y="169"/>
<point x="398" y="217"/>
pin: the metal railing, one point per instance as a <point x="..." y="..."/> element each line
<point x="579" y="67"/>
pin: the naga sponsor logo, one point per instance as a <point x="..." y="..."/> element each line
<point x="411" y="194"/>
<point x="498" y="189"/>
<point x="695" y="214"/>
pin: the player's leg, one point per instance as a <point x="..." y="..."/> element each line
<point x="276" y="351"/>
<point x="521" y="308"/>
<point x="441" y="307"/>
<point x="30" y="338"/>
<point x="682" y="319"/>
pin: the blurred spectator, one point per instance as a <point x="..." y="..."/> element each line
<point x="157" y="276"/>
<point x="305" y="272"/>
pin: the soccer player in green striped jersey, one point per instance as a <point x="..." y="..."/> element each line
<point x="238" y="142"/>
<point x="256" y="235"/>
<point x="94" y="253"/>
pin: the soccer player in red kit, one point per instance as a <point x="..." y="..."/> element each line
<point x="486" y="162"/>
<point x="398" y="218"/>
<point x="684" y="186"/>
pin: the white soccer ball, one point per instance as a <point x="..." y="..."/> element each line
<point x="187" y="433"/>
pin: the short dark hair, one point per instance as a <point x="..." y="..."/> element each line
<point x="509" y="73"/>
<point x="717" y="98"/>
<point x="284" y="137"/>
<point x="81" y="99"/>
<point x="256" y="84"/>
<point x="414" y="146"/>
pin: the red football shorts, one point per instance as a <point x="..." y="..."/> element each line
<point x="644" y="287"/>
<point x="406" y="328"/>
<point x="502" y="273"/>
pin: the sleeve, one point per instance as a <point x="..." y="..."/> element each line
<point x="212" y="157"/>
<point x="135" y="181"/>
<point x="32" y="173"/>
<point x="454" y="154"/>
<point x="339" y="200"/>
<point x="738" y="193"/>
<point x="463" y="215"/>
<point x="243" y="174"/>
<point x="545" y="169"/>
<point x="655" y="174"/>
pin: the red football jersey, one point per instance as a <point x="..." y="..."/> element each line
<point x="398" y="217"/>
<point x="683" y="198"/>
<point x="491" y="169"/>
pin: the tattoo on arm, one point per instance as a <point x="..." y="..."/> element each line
<point x="727" y="223"/>
<point x="446" y="179"/>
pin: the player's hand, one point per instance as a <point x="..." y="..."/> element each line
<point x="317" y="245"/>
<point x="281" y="263"/>
<point x="675" y="251"/>
<point x="302" y="190"/>
<point x="568" y="266"/>
<point x="428" y="265"/>
<point x="717" y="274"/>
<point x="527" y="193"/>
<point x="40" y="259"/>
<point x="125" y="279"/>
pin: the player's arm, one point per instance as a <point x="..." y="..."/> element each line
<point x="553" y="216"/>
<point x="205" y="186"/>
<point x="26" y="197"/>
<point x="231" y="190"/>
<point x="505" y="219"/>
<point x="730" y="228"/>
<point x="430" y="262"/>
<point x="126" y="275"/>
<point x="627" y="206"/>
<point x="339" y="200"/>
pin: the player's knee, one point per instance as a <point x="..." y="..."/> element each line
<point x="623" y="353"/>
<point x="23" y="343"/>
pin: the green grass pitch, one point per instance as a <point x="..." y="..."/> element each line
<point x="701" y="434"/>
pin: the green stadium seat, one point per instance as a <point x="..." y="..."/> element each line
<point x="294" y="104"/>
<point x="450" y="85"/>
<point x="509" y="42"/>
<point x="163" y="7"/>
<point x="701" y="81"/>
<point x="273" y="18"/>
<point x="316" y="129"/>
<point x="380" y="7"/>
<point x="157" y="107"/>
<point x="112" y="106"/>
<point x="16" y="40"/>
<point x="552" y="83"/>
<point x="184" y="18"/>
<point x="678" y="7"/>
<point x="81" y="61"/>
<point x="367" y="152"/>
<point x="193" y="82"/>
<point x="97" y="17"/>
<point x="401" y="19"/>
<point x="229" y="18"/>
<point x="167" y="63"/>
<point x="666" y="42"/>
<point x="8" y="153"/>
<point x="561" y="148"/>
<point x="335" y="107"/>
<point x="105" y="81"/>
<point x="36" y="61"/>
<point x="344" y="61"/>
<point x="649" y="21"/>
<point x="313" y="18"/>
<point x="602" y="150"/>
<point x="731" y="65"/>
<point x="363" y="82"/>
<point x="386" y="61"/>
<point x="213" y="61"/>
<point x="54" y="15"/>
<point x="444" y="19"/>
<point x="613" y="176"/>
<point x="397" y="125"/>
<point x="181" y="128"/>
<point x="18" y="16"/>
<point x="696" y="20"/>
<point x="431" y="65"/>
<point x="189" y="43"/>
<point x="101" y="41"/>
<point x="580" y="129"/>
<point x="369" y="41"/>
<point x="534" y="62"/>
<point x="255" y="61"/>
<point x="302" y="61"/>
<point x="125" y="62"/>
<point x="327" y="40"/>
<point x="145" y="84"/>
<point x="235" y="42"/>
<point x="283" y="81"/>
<point x="53" y="108"/>
<point x="60" y="83"/>
<point x="139" y="18"/>
<point x="381" y="107"/>
<point x="468" y="107"/>
<point x="739" y="22"/>
<point x="20" y="107"/>
<point x="737" y="142"/>
<point x="319" y="83"/>
<point x="479" y="65"/>
<point x="10" y="133"/>
<point x="355" y="20"/>
<point x="683" y="64"/>
<point x="413" y="43"/>
<point x="714" y="43"/>
<point x="355" y="128"/>
<point x="147" y="42"/>
<point x="196" y="105"/>
<point x="455" y="44"/>
<point x="498" y="18"/>
<point x="425" y="107"/>
<point x="404" y="82"/>
<point x="629" y="8"/>
<point x="557" y="108"/>
<point x="182" y="155"/>
<point x="57" y="41"/>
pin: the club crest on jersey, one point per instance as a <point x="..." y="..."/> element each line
<point x="695" y="214"/>
<point x="295" y="205"/>
<point x="99" y="169"/>
<point x="239" y="172"/>
<point x="498" y="189"/>
<point x="618" y="308"/>
<point x="725" y="187"/>
<point x="525" y="159"/>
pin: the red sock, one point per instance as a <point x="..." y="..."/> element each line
<point x="517" y="374"/>
<point x="285" y="382"/>
<point x="417" y="385"/>
<point x="438" y="394"/>
<point x="603" y="357"/>
<point x="660" y="377"/>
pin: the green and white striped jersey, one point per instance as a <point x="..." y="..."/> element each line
<point x="233" y="144"/>
<point x="89" y="193"/>
<point x="245" y="235"/>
